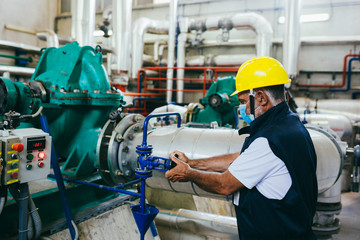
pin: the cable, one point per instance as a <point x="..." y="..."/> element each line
<point x="76" y="230"/>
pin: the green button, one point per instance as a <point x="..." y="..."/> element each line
<point x="14" y="165"/>
<point x="28" y="167"/>
<point x="29" y="157"/>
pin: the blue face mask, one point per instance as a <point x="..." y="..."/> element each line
<point x="247" y="118"/>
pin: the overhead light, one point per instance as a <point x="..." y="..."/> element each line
<point x="318" y="17"/>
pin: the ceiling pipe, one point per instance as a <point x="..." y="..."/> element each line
<point x="291" y="43"/>
<point x="141" y="26"/>
<point x="255" y="21"/>
<point x="171" y="48"/>
<point x="83" y="21"/>
<point x="122" y="17"/>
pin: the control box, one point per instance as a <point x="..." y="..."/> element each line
<point x="25" y="155"/>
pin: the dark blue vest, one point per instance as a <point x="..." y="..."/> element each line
<point x="290" y="218"/>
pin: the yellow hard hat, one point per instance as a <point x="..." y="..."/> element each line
<point x="260" y="72"/>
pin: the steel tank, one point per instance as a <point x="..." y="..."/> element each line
<point x="202" y="143"/>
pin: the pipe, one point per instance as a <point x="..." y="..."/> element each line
<point x="35" y="217"/>
<point x="199" y="223"/>
<point x="171" y="48"/>
<point x="141" y="26"/>
<point x="231" y="60"/>
<point x="25" y="71"/>
<point x="50" y="36"/>
<point x="83" y="21"/>
<point x="348" y="77"/>
<point x="292" y="37"/>
<point x="180" y="64"/>
<point x="262" y="28"/>
<point x="122" y="17"/>
<point x="23" y="210"/>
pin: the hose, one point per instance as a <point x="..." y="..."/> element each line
<point x="2" y="204"/>
<point x="35" y="218"/>
<point x="23" y="210"/>
<point x="30" y="232"/>
<point x="76" y="230"/>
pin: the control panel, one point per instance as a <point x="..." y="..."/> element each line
<point x="25" y="155"/>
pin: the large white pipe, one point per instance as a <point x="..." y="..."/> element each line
<point x="292" y="36"/>
<point x="347" y="107"/>
<point x="262" y="28"/>
<point x="255" y="21"/>
<point x="83" y="21"/>
<point x="122" y="17"/>
<point x="200" y="143"/>
<point x="171" y="48"/>
<point x="199" y="223"/>
<point x="141" y="26"/>
<point x="49" y="36"/>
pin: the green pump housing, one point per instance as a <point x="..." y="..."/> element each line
<point x="218" y="105"/>
<point x="72" y="86"/>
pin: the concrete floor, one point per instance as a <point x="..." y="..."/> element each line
<point x="349" y="217"/>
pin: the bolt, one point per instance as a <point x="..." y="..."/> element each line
<point x="108" y="91"/>
<point x="127" y="173"/>
<point x="119" y="138"/>
<point x="76" y="90"/>
<point x="62" y="90"/>
<point x="118" y="172"/>
<point x="136" y="128"/>
<point x="85" y="91"/>
<point x="124" y="162"/>
<point x="96" y="91"/>
<point x="131" y="137"/>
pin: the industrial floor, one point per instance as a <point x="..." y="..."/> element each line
<point x="349" y="217"/>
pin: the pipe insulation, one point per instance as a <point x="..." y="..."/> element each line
<point x="199" y="223"/>
<point x="122" y="17"/>
<point x="292" y="37"/>
<point x="83" y="21"/>
<point x="141" y="26"/>
<point x="171" y="48"/>
<point x="201" y="143"/>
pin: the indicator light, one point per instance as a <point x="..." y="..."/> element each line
<point x="14" y="165"/>
<point x="14" y="175"/>
<point x="41" y="164"/>
<point x="18" y="147"/>
<point x="41" y="155"/>
<point x="29" y="166"/>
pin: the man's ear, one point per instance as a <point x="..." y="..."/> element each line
<point x="262" y="97"/>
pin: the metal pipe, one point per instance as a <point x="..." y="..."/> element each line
<point x="200" y="223"/>
<point x="181" y="64"/>
<point x="122" y="17"/>
<point x="141" y="26"/>
<point x="292" y="36"/>
<point x="83" y="21"/>
<point x="262" y="28"/>
<point x="171" y="48"/>
<point x="28" y="59"/>
<point x="17" y="70"/>
<point x="49" y="36"/>
<point x="348" y="85"/>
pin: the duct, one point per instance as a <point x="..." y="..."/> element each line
<point x="83" y="21"/>
<point x="201" y="143"/>
<point x="292" y="37"/>
<point x="199" y="223"/>
<point x="346" y="107"/>
<point x="24" y="71"/>
<point x="122" y="17"/>
<point x="49" y="36"/>
<point x="141" y="26"/>
<point x="171" y="49"/>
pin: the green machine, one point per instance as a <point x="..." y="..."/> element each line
<point x="218" y="105"/>
<point x="71" y="86"/>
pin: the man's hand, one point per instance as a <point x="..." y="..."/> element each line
<point x="180" y="155"/>
<point x="182" y="169"/>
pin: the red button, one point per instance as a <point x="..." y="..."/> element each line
<point x="41" y="164"/>
<point x="14" y="175"/>
<point x="41" y="155"/>
<point x="18" y="147"/>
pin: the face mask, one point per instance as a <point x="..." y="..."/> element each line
<point x="247" y="118"/>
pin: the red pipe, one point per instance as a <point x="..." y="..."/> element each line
<point x="343" y="76"/>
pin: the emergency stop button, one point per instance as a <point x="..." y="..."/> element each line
<point x="18" y="147"/>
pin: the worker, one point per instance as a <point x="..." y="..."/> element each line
<point x="273" y="179"/>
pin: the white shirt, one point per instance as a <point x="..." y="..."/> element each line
<point x="258" y="167"/>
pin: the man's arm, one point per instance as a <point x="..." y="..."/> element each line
<point x="222" y="183"/>
<point x="212" y="164"/>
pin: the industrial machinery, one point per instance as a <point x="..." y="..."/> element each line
<point x="92" y="134"/>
